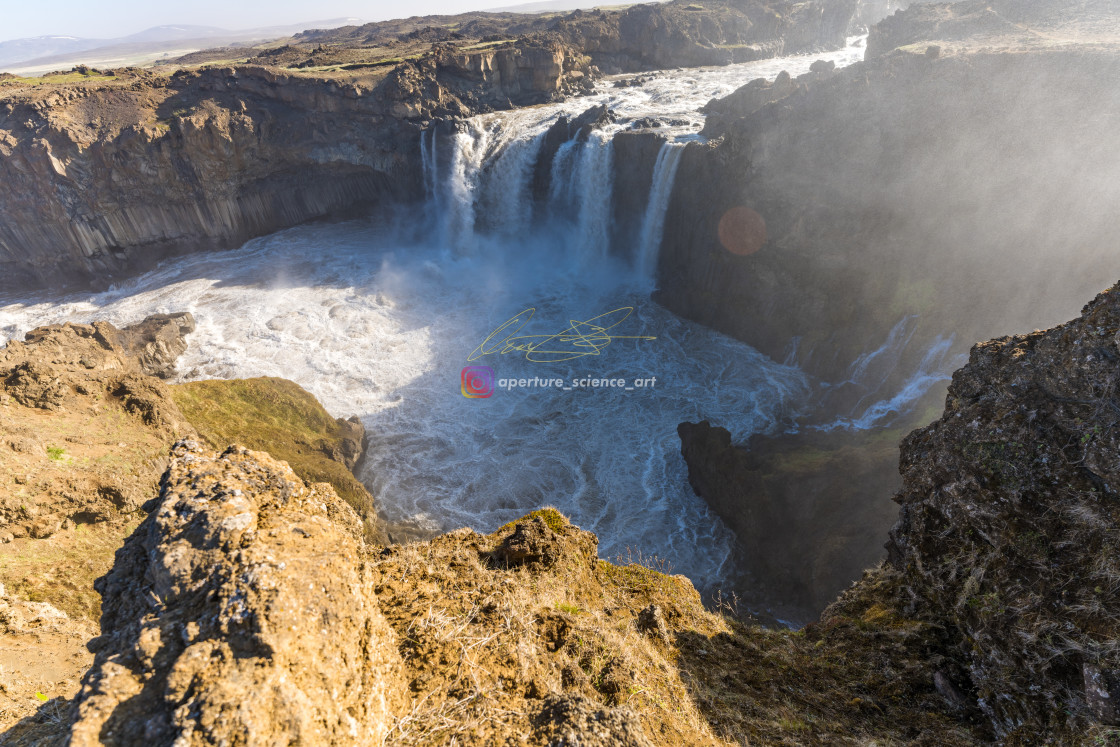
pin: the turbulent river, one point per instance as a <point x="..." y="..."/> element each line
<point x="378" y="318"/>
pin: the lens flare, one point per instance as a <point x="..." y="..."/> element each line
<point x="742" y="231"/>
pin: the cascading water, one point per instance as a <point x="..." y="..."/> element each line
<point x="653" y="221"/>
<point x="378" y="323"/>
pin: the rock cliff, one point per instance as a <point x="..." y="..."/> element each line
<point x="809" y="509"/>
<point x="104" y="174"/>
<point x="84" y="434"/>
<point x="1008" y="527"/>
<point x="238" y="612"/>
<point x="103" y="178"/>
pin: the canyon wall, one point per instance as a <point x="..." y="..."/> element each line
<point x="102" y="179"/>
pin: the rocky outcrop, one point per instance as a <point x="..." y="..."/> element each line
<point x="996" y="23"/>
<point x="1007" y="531"/>
<point x="242" y="610"/>
<point x="211" y="631"/>
<point x="809" y="509"/>
<point x="686" y="34"/>
<point x="285" y="419"/>
<point x="75" y="407"/>
<point x="158" y="341"/>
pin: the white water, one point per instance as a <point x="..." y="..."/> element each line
<point x="653" y="221"/>
<point x="378" y="323"/>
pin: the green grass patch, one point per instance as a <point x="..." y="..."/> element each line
<point x="277" y="416"/>
<point x="73" y="76"/>
<point x="555" y="520"/>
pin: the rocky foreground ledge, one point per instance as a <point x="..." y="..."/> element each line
<point x="248" y="608"/>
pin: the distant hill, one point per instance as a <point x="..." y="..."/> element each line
<point x="38" y="54"/>
<point x="548" y="6"/>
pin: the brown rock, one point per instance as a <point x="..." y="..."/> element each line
<point x="222" y="623"/>
<point x="575" y="720"/>
<point x="158" y="341"/>
<point x="532" y="542"/>
<point x="651" y="621"/>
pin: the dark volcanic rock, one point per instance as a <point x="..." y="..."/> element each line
<point x="944" y="21"/>
<point x="891" y="190"/>
<point x="1010" y="519"/>
<point x="809" y="509"/>
<point x="683" y="33"/>
<point x="563" y="130"/>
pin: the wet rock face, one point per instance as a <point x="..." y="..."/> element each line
<point x="240" y="610"/>
<point x="1010" y="516"/>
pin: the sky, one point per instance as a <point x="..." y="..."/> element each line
<point x="114" y="18"/>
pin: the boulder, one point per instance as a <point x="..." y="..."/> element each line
<point x="158" y="341"/>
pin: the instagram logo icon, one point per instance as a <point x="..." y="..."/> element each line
<point x="478" y="381"/>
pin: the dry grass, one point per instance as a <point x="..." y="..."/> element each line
<point x="484" y="643"/>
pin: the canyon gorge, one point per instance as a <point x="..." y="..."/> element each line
<point x="807" y="227"/>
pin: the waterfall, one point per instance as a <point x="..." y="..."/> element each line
<point x="428" y="163"/>
<point x="486" y="188"/>
<point x="581" y="189"/>
<point x="561" y="191"/>
<point x="595" y="182"/>
<point x="506" y="195"/>
<point x="653" y="220"/>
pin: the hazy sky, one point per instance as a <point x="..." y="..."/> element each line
<point x="113" y="18"/>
